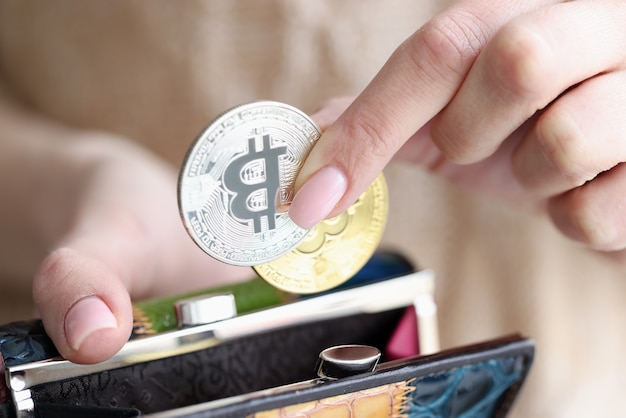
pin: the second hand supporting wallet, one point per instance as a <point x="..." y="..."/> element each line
<point x="267" y="363"/>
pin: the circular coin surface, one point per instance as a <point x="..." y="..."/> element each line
<point x="239" y="170"/>
<point x="335" y="249"/>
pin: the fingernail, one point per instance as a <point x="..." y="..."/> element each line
<point x="317" y="197"/>
<point x="88" y="315"/>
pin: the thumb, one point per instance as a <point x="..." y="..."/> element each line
<point x="81" y="288"/>
<point x="123" y="236"/>
<point x="84" y="306"/>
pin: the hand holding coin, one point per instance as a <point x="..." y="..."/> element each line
<point x="335" y="249"/>
<point x="236" y="178"/>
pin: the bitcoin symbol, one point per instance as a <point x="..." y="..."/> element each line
<point x="254" y="179"/>
<point x="237" y="179"/>
<point x="329" y="230"/>
<point x="324" y="232"/>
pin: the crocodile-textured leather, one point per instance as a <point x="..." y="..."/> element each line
<point x="472" y="391"/>
<point x="467" y="392"/>
<point x="383" y="401"/>
<point x="24" y="342"/>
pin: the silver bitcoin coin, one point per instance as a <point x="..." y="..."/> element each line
<point x="236" y="177"/>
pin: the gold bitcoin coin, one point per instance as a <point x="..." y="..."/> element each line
<point x="335" y="249"/>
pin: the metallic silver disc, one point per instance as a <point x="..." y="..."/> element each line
<point x="237" y="174"/>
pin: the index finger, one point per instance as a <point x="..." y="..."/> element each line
<point x="417" y="81"/>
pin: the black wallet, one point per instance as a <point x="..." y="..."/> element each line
<point x="272" y="362"/>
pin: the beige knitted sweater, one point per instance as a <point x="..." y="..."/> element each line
<point x="158" y="71"/>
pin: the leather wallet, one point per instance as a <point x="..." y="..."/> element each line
<point x="477" y="381"/>
<point x="268" y="361"/>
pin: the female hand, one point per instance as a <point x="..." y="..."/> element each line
<point x="524" y="100"/>
<point x="125" y="238"/>
<point x="102" y="214"/>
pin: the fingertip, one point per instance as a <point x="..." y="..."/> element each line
<point x="86" y="317"/>
<point x="98" y="346"/>
<point x="92" y="331"/>
<point x="336" y="172"/>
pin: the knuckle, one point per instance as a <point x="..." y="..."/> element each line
<point x="455" y="148"/>
<point x="449" y="41"/>
<point x="565" y="147"/>
<point x="520" y="61"/>
<point x="591" y="228"/>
